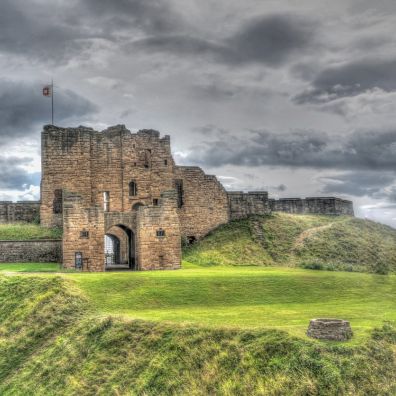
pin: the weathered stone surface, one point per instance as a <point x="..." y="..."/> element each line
<point x="313" y="205"/>
<point x="25" y="211"/>
<point x="40" y="251"/>
<point x="243" y="205"/>
<point x="330" y="329"/>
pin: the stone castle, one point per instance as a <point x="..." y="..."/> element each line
<point x="124" y="203"/>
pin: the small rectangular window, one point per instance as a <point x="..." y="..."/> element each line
<point x="84" y="234"/>
<point x="106" y="201"/>
<point x="160" y="233"/>
<point x="155" y="201"/>
<point x="166" y="162"/>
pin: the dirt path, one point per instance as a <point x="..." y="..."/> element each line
<point x="299" y="242"/>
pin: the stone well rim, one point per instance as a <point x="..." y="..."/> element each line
<point x="328" y="320"/>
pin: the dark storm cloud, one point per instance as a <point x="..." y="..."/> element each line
<point x="13" y="176"/>
<point x="59" y="31"/>
<point x="23" y="109"/>
<point x="350" y="79"/>
<point x="270" y="39"/>
<point x="374" y="150"/>
<point x="150" y="16"/>
<point x="39" y="31"/>
<point x="358" y="183"/>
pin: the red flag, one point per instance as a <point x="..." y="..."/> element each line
<point x="47" y="91"/>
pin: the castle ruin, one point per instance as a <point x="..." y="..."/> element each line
<point x="124" y="203"/>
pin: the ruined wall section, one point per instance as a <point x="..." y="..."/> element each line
<point x="91" y="163"/>
<point x="83" y="232"/>
<point x="66" y="164"/>
<point x="158" y="235"/>
<point x="21" y="211"/>
<point x="205" y="202"/>
<point x="313" y="205"/>
<point x="243" y="205"/>
<point x="120" y="157"/>
<point x="31" y="251"/>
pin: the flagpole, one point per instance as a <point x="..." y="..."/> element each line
<point x="52" y="101"/>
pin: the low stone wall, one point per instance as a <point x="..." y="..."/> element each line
<point x="330" y="329"/>
<point x="35" y="251"/>
<point x="11" y="212"/>
<point x="313" y="205"/>
<point x="243" y="205"/>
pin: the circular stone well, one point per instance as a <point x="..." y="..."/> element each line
<point x="330" y="329"/>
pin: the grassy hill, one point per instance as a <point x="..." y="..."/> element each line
<point x="231" y="322"/>
<point x="309" y="241"/>
<point x="27" y="231"/>
<point x="54" y="342"/>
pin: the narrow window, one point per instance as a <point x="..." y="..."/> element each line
<point x="180" y="193"/>
<point x="165" y="162"/>
<point x="147" y="159"/>
<point x="57" y="205"/>
<point x="160" y="233"/>
<point x="106" y="201"/>
<point x="155" y="201"/>
<point x="132" y="189"/>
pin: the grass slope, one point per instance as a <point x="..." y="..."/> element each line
<point x="27" y="231"/>
<point x="311" y="241"/>
<point x="49" y="346"/>
<point x="245" y="297"/>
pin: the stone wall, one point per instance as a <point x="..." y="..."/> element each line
<point x="243" y="204"/>
<point x="83" y="232"/>
<point x="205" y="202"/>
<point x="313" y="205"/>
<point x="35" y="251"/>
<point x="26" y="211"/>
<point x="158" y="235"/>
<point x="92" y="163"/>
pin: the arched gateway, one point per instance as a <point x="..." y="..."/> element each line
<point x="120" y="248"/>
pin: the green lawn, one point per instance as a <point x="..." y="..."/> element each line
<point x="247" y="297"/>
<point x="27" y="231"/>
<point x="29" y="267"/>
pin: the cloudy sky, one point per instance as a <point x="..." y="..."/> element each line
<point x="294" y="97"/>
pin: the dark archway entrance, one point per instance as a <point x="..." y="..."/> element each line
<point x="120" y="249"/>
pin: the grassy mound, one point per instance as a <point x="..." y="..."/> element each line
<point x="310" y="241"/>
<point x="27" y="231"/>
<point x="254" y="297"/>
<point x="49" y="347"/>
